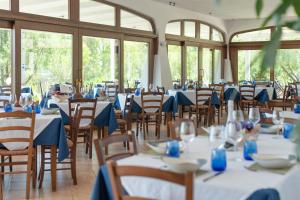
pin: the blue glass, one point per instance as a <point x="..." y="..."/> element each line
<point x="250" y="147"/>
<point x="218" y="159"/>
<point x="8" y="107"/>
<point x="28" y="108"/>
<point x="137" y="92"/>
<point x="297" y="108"/>
<point x="173" y="149"/>
<point x="287" y="130"/>
<point x="37" y="109"/>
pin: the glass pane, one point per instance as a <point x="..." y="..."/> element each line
<point x="204" y="32"/>
<point x="207" y="67"/>
<point x="249" y="66"/>
<point x="217" y="36"/>
<point x="136" y="63"/>
<point x="96" y="12"/>
<point x="261" y="35"/>
<point x="289" y="34"/>
<point x="174" y="55"/>
<point x="100" y="60"/>
<point x="217" y="65"/>
<point x="46" y="59"/>
<point x="5" y="55"/>
<point x="192" y="63"/>
<point x="51" y="8"/>
<point x="4" y="4"/>
<point x="190" y="29"/>
<point x="129" y="20"/>
<point x="173" y="28"/>
<point x="287" y="68"/>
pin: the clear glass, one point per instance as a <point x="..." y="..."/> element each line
<point x="136" y="63"/>
<point x="238" y="117"/>
<point x="5" y="55"/>
<point x="278" y="121"/>
<point x="46" y="59"/>
<point x="187" y="132"/>
<point x="204" y="31"/>
<point x="289" y="34"/>
<point x="207" y="66"/>
<point x="287" y="65"/>
<point x="249" y="66"/>
<point x="173" y="28"/>
<point x="96" y="12"/>
<point x="174" y="54"/>
<point x="217" y="65"/>
<point x="217" y="36"/>
<point x="100" y="60"/>
<point x="130" y="20"/>
<point x="189" y="29"/>
<point x="254" y="115"/>
<point x="192" y="63"/>
<point x="5" y="4"/>
<point x="260" y="35"/>
<point x="51" y="8"/>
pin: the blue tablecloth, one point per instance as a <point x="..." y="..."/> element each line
<point x="181" y="99"/>
<point x="102" y="188"/>
<point x="107" y="118"/>
<point x="168" y="106"/>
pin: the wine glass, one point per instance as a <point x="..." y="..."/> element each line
<point x="238" y="117"/>
<point x="277" y="120"/>
<point x="254" y="116"/>
<point x="187" y="132"/>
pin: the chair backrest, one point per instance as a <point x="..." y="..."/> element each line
<point x="151" y="103"/>
<point x="25" y="130"/>
<point x="174" y="126"/>
<point x="5" y="90"/>
<point x="116" y="172"/>
<point x="247" y="92"/>
<point x="87" y="103"/>
<point x="203" y="96"/>
<point x="219" y="89"/>
<point x="293" y="89"/>
<point x="161" y="89"/>
<point x="127" y="112"/>
<point x="113" y="139"/>
<point x="111" y="91"/>
<point x="286" y="93"/>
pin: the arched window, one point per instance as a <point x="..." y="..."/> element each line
<point x="258" y="35"/>
<point x="133" y="21"/>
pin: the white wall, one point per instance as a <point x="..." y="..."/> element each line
<point x="161" y="14"/>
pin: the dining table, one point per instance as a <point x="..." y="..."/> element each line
<point x="237" y="182"/>
<point x="49" y="130"/>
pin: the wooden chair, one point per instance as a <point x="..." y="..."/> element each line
<point x="86" y="131"/>
<point x="5" y="90"/>
<point x="72" y="144"/>
<point x="151" y="112"/>
<point x="111" y="91"/>
<point x="26" y="136"/>
<point x="173" y="128"/>
<point x="129" y="90"/>
<point x="219" y="89"/>
<point x="287" y="101"/>
<point x="247" y="93"/>
<point x="203" y="106"/>
<point x="116" y="172"/>
<point x="161" y="89"/>
<point x="127" y="138"/>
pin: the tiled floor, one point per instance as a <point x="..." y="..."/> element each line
<point x="14" y="185"/>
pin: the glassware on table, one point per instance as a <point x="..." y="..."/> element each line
<point x="218" y="159"/>
<point x="187" y="132"/>
<point x="8" y="107"/>
<point x="277" y="120"/>
<point x="238" y="117"/>
<point x="37" y="108"/>
<point x="173" y="149"/>
<point x="287" y="130"/>
<point x="250" y="147"/>
<point x="254" y="116"/>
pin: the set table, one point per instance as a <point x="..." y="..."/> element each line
<point x="235" y="183"/>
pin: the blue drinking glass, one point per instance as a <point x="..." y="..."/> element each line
<point x="250" y="147"/>
<point x="137" y="92"/>
<point x="28" y="108"/>
<point x="287" y="130"/>
<point x="173" y="149"/>
<point x="8" y="107"/>
<point x="37" y="109"/>
<point x="297" y="108"/>
<point x="218" y="159"/>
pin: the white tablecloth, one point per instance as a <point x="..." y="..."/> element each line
<point x="138" y="100"/>
<point x="236" y="183"/>
<point x="290" y="115"/>
<point x="41" y="122"/>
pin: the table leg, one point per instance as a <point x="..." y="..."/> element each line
<point x="180" y="111"/>
<point x="53" y="167"/>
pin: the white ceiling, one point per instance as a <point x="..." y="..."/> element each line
<point x="227" y="9"/>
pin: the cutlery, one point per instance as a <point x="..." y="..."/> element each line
<point x="212" y="176"/>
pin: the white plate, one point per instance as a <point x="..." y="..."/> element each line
<point x="272" y="161"/>
<point x="183" y="165"/>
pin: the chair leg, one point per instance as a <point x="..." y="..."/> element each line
<point x="34" y="167"/>
<point x="10" y="167"/>
<point x="42" y="167"/>
<point x="2" y="167"/>
<point x="28" y="177"/>
<point x="1" y="187"/>
<point x="73" y="167"/>
<point x="90" y="144"/>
